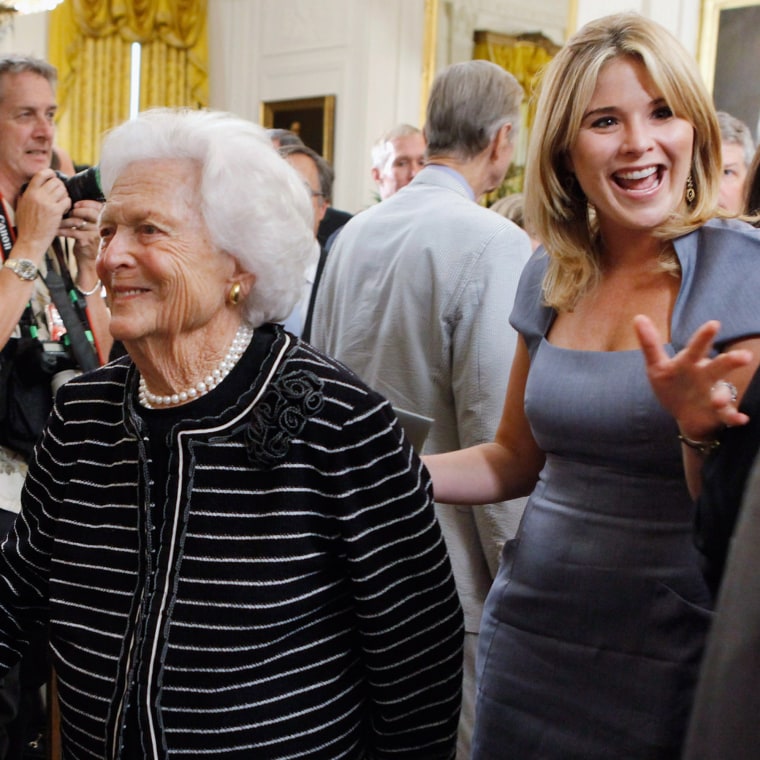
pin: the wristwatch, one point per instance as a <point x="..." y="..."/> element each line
<point x="23" y="268"/>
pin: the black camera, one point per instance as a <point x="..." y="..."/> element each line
<point x="44" y="361"/>
<point x="40" y="361"/>
<point x="82" y="186"/>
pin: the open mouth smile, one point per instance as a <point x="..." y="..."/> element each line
<point x="640" y="180"/>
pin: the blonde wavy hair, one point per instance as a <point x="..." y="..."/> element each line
<point x="555" y="206"/>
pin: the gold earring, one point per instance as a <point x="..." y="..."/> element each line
<point x="691" y="193"/>
<point x="234" y="295"/>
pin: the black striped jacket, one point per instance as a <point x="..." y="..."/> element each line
<point x="296" y="601"/>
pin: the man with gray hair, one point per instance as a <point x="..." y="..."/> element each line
<point x="397" y="157"/>
<point x="738" y="148"/>
<point x="318" y="177"/>
<point x="38" y="270"/>
<point x="415" y="298"/>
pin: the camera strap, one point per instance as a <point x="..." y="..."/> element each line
<point x="73" y="315"/>
<point x="72" y="310"/>
<point x="6" y="230"/>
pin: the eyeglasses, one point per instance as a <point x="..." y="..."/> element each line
<point x="313" y="193"/>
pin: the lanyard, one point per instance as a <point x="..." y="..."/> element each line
<point x="7" y="235"/>
<point x="73" y="312"/>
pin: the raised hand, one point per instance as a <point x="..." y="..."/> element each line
<point x="38" y="213"/>
<point x="693" y="386"/>
<point x="82" y="226"/>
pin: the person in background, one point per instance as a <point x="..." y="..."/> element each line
<point x="282" y="138"/>
<point x="594" y="628"/>
<point x="35" y="354"/>
<point x="318" y="177"/>
<point x="737" y="149"/>
<point x="332" y="223"/>
<point x="414" y="299"/>
<point x="233" y="540"/>
<point x="752" y="188"/>
<point x="397" y="157"/>
<point x="724" y="719"/>
<point x="726" y="470"/>
<point x="724" y="478"/>
<point x="331" y="219"/>
<point x="724" y="722"/>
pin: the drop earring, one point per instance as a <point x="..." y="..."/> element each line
<point x="691" y="193"/>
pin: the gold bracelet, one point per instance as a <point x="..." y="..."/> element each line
<point x="98" y="286"/>
<point x="703" y="447"/>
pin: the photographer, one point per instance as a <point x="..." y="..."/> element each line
<point x="37" y="229"/>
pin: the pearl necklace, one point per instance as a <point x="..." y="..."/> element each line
<point x="239" y="344"/>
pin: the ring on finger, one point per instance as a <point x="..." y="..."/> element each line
<point x="725" y="384"/>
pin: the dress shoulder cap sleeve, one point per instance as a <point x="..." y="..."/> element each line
<point x="530" y="316"/>
<point x="720" y="270"/>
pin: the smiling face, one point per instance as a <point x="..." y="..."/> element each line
<point x="164" y="277"/>
<point x="632" y="155"/>
<point x="27" y="112"/>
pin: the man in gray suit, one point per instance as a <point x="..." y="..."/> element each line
<point x="416" y="296"/>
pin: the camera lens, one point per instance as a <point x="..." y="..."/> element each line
<point x="82" y="186"/>
<point x="85" y="186"/>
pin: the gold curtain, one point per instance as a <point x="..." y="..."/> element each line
<point x="90" y="44"/>
<point x="524" y="56"/>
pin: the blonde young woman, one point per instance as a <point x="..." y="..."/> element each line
<point x="593" y="630"/>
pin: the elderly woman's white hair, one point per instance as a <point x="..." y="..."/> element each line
<point x="254" y="203"/>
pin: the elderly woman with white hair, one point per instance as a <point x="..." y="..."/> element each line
<point x="232" y="539"/>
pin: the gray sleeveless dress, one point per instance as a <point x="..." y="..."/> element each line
<point x="593" y="630"/>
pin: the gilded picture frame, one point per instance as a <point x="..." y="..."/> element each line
<point x="729" y="49"/>
<point x="312" y="119"/>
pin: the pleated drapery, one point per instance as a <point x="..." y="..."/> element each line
<point x="90" y="45"/>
